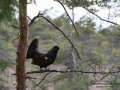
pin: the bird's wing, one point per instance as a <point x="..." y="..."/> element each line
<point x="39" y="60"/>
<point x="33" y="49"/>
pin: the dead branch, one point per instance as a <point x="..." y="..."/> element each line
<point x="29" y="18"/>
<point x="104" y="76"/>
<point x="15" y="27"/>
<point x="34" y="18"/>
<point x="34" y="83"/>
<point x="99" y="16"/>
<point x="66" y="71"/>
<point x="43" y="78"/>
<point x="69" y="17"/>
<point x="28" y="77"/>
<point x="18" y="32"/>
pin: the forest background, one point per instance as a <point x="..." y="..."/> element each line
<point x="98" y="48"/>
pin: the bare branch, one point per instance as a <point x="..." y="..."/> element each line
<point x="69" y="17"/>
<point x="29" y="18"/>
<point x="32" y="20"/>
<point x="104" y="76"/>
<point x="28" y="77"/>
<point x="18" y="33"/>
<point x="99" y="16"/>
<point x="66" y="71"/>
<point x="43" y="78"/>
<point x="34" y="83"/>
<point x="15" y="26"/>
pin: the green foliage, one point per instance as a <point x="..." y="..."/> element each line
<point x="78" y="82"/>
<point x="57" y="78"/>
<point x="7" y="52"/>
<point x="32" y="1"/>
<point x="8" y="9"/>
<point x="5" y="64"/>
<point x="114" y="0"/>
<point x="92" y="45"/>
<point x="98" y="44"/>
<point x="4" y="85"/>
<point x="78" y="3"/>
<point x="114" y="84"/>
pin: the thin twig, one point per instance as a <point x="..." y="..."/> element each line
<point x="28" y="77"/>
<point x="69" y="17"/>
<point x="32" y="20"/>
<point x="34" y="82"/>
<point x="15" y="26"/>
<point x="18" y="33"/>
<point x="99" y="16"/>
<point x="104" y="76"/>
<point x="29" y="18"/>
<point x="43" y="78"/>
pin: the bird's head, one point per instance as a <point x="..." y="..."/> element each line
<point x="54" y="50"/>
<point x="56" y="47"/>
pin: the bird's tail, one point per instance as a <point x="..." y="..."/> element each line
<point x="33" y="49"/>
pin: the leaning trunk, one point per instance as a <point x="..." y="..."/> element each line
<point x="72" y="59"/>
<point x="22" y="46"/>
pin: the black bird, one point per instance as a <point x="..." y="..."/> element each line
<point x="40" y="59"/>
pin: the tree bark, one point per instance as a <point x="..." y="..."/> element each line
<point x="22" y="46"/>
<point x="72" y="59"/>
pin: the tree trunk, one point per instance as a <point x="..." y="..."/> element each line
<point x="22" y="46"/>
<point x="72" y="60"/>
